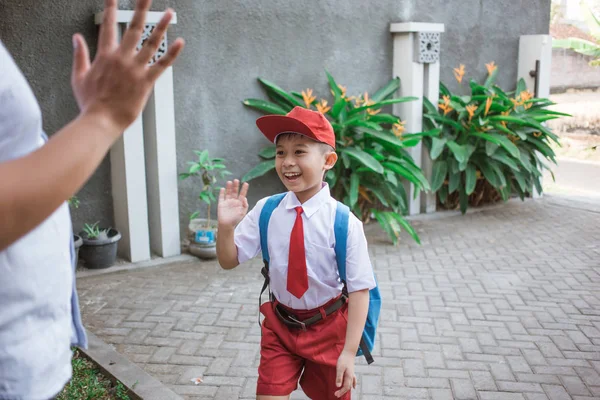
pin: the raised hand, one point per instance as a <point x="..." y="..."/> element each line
<point x="233" y="204"/>
<point x="116" y="85"/>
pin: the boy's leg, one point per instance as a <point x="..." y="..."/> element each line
<point x="279" y="369"/>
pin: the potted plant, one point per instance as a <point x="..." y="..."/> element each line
<point x="371" y="144"/>
<point x="99" y="248"/>
<point x="491" y="143"/>
<point x="202" y="232"/>
<point x="77" y="241"/>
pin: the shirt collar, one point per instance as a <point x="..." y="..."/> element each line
<point x="311" y="205"/>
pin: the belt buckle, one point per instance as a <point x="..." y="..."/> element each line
<point x="302" y="324"/>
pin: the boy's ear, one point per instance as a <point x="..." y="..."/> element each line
<point x="330" y="160"/>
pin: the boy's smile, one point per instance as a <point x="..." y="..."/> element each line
<point x="301" y="164"/>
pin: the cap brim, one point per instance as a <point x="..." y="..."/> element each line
<point x="273" y="125"/>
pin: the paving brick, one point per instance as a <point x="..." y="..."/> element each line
<point x="463" y="389"/>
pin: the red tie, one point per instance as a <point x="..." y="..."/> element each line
<point x="297" y="279"/>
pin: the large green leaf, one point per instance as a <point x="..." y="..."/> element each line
<point x="380" y="104"/>
<point x="259" y="170"/>
<point x="470" y="178"/>
<point x="381" y="118"/>
<point x="387" y="90"/>
<point x="267" y="152"/>
<point x="354" y="183"/>
<point x="417" y="172"/>
<point x="520" y="180"/>
<point x="430" y="133"/>
<point x="438" y="174"/>
<point x="460" y="152"/>
<point x="446" y="121"/>
<point x="382" y="136"/>
<point x="499" y="140"/>
<point x="264" y="106"/>
<point x="407" y="227"/>
<point x="365" y="158"/>
<point x="505" y="159"/>
<point x="581" y="46"/>
<point x="491" y="79"/>
<point x="490" y="148"/>
<point x="270" y="86"/>
<point x="464" y="200"/>
<point x="521" y="86"/>
<point x="453" y="182"/>
<point x="489" y="173"/>
<point x="437" y="147"/>
<point x="404" y="172"/>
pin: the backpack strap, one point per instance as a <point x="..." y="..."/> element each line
<point x="263" y="226"/>
<point x="340" y="229"/>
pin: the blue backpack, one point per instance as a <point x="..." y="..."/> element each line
<point x="340" y="229"/>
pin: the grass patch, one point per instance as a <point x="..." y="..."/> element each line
<point x="89" y="384"/>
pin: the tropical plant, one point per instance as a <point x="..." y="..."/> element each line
<point x="371" y="146"/>
<point x="74" y="201"/>
<point x="491" y="141"/>
<point x="582" y="46"/>
<point x="209" y="170"/>
<point x="93" y="231"/>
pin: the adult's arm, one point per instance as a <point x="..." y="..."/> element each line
<point x="111" y="92"/>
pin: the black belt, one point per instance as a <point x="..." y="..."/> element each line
<point x="293" y="322"/>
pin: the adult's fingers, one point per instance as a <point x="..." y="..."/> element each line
<point x="167" y="60"/>
<point x="81" y="58"/>
<point x="107" y="38"/>
<point x="132" y="35"/>
<point x="153" y="42"/>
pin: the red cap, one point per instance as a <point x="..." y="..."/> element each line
<point x="300" y="120"/>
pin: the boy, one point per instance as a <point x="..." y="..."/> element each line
<point x="303" y="271"/>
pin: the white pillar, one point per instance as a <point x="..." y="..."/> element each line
<point x="144" y="182"/>
<point x="416" y="63"/>
<point x="535" y="57"/>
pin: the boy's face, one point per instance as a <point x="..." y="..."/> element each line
<point x="301" y="164"/>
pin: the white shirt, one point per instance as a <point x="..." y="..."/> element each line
<point x="319" y="241"/>
<point x="36" y="272"/>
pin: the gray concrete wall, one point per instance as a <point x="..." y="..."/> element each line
<point x="230" y="43"/>
<point x="571" y="70"/>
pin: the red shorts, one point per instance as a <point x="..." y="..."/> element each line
<point x="288" y="355"/>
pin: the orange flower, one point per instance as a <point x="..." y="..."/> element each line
<point x="322" y="106"/>
<point x="471" y="108"/>
<point x="445" y="106"/>
<point x="307" y="96"/>
<point x="491" y="67"/>
<point x="537" y="134"/>
<point x="505" y="113"/>
<point x="342" y="89"/>
<point x="398" y="128"/>
<point x="459" y="73"/>
<point x="369" y="102"/>
<point x="525" y="96"/>
<point x="488" y="104"/>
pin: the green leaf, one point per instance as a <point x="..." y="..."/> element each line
<point x="382" y="103"/>
<point x="386" y="225"/>
<point x="259" y="170"/>
<point x="194" y="168"/>
<point x="489" y="174"/>
<point x="382" y="118"/>
<point x="437" y="147"/>
<point x="194" y="215"/>
<point x="203" y="157"/>
<point x="390" y="176"/>
<point x="446" y="121"/>
<point x="443" y="194"/>
<point x="429" y="106"/>
<point x="416" y="172"/>
<point x="365" y="158"/>
<point x="520" y="180"/>
<point x="354" y="182"/>
<point x="270" y="86"/>
<point x="491" y="79"/>
<point x="499" y="140"/>
<point x="460" y="152"/>
<point x="267" y="152"/>
<point x="387" y="90"/>
<point x="382" y="136"/>
<point x="470" y="178"/>
<point x="505" y="159"/>
<point x="438" y="175"/>
<point x="264" y="106"/>
<point x="431" y="133"/>
<point x="521" y="86"/>
<point x="407" y="227"/>
<point x="453" y="182"/>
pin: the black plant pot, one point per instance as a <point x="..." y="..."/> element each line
<point x="77" y="242"/>
<point x="100" y="252"/>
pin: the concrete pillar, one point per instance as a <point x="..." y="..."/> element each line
<point x="535" y="57"/>
<point x="416" y="61"/>
<point x="144" y="179"/>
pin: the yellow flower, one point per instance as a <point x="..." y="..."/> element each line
<point x="445" y="106"/>
<point x="537" y="134"/>
<point x="322" y="106"/>
<point x="357" y="101"/>
<point x="342" y="89"/>
<point x="398" y="128"/>
<point x="491" y="67"/>
<point x="488" y="104"/>
<point x="459" y="73"/>
<point x="471" y="108"/>
<point x="307" y="96"/>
